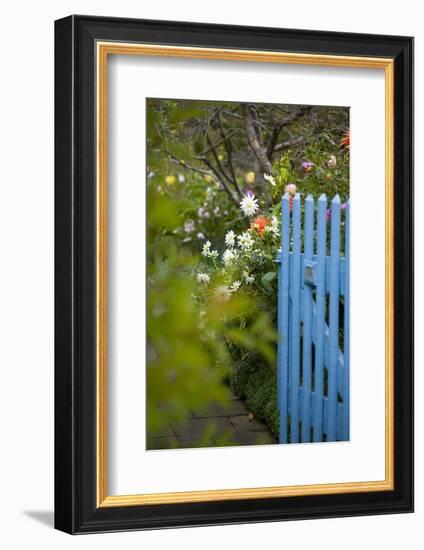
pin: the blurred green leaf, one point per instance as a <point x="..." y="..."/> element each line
<point x="268" y="277"/>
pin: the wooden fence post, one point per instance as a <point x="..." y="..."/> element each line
<point x="307" y="323"/>
<point x="333" y="318"/>
<point x="294" y="340"/>
<point x="346" y="343"/>
<point x="318" y="404"/>
<point x="283" y="318"/>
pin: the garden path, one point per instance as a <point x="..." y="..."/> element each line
<point x="224" y="423"/>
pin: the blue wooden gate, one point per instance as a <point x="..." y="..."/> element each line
<point x="313" y="321"/>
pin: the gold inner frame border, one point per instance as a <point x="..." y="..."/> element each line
<point x="103" y="50"/>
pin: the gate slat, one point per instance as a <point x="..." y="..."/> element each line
<point x="283" y="317"/>
<point x="333" y="319"/>
<point x="317" y="414"/>
<point x="307" y="324"/>
<point x="346" y="348"/>
<point x="295" y="323"/>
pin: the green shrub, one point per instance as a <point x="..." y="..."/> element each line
<point x="252" y="379"/>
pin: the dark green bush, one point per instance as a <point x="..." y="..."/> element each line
<point x="252" y="379"/>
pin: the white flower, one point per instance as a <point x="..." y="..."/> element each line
<point x="230" y="238"/>
<point x="181" y="178"/>
<point x="273" y="227"/>
<point x="245" y="241"/>
<point x="270" y="179"/>
<point x="248" y="278"/>
<point x="235" y="286"/>
<point x="249" y="205"/>
<point x="332" y="161"/>
<point x="206" y="250"/>
<point x="203" y="278"/>
<point x="223" y="293"/>
<point x="214" y="254"/>
<point x="228" y="257"/>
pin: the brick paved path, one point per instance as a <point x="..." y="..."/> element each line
<point x="225" y="423"/>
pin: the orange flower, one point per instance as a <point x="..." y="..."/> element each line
<point x="345" y="141"/>
<point x="259" y="224"/>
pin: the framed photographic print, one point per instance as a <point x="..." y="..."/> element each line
<point x="234" y="274"/>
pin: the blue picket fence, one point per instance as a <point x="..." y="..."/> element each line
<point x="313" y="321"/>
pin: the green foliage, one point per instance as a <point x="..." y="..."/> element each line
<point x="180" y="373"/>
<point x="254" y="381"/>
<point x="188" y="335"/>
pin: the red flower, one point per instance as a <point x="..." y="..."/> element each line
<point x="345" y="141"/>
<point x="259" y="224"/>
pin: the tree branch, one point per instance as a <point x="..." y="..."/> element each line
<point x="289" y="143"/>
<point x="229" y="149"/>
<point x="286" y="121"/>
<point x="184" y="164"/>
<point x="212" y="148"/>
<point x="223" y="140"/>
<point x="273" y="141"/>
<point x="252" y="137"/>
<point x="218" y="177"/>
<point x="211" y="172"/>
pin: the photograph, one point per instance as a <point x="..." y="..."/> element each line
<point x="247" y="262"/>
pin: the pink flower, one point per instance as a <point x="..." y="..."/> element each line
<point x="290" y="188"/>
<point x="307" y="166"/>
<point x="202" y="213"/>
<point x="189" y="226"/>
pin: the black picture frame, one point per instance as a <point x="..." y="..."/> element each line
<point x="76" y="510"/>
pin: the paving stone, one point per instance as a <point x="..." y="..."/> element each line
<point x="156" y="443"/>
<point x="165" y="431"/>
<point x="242" y="422"/>
<point x="229" y="407"/>
<point x="193" y="441"/>
<point x="231" y="424"/>
<point x="197" y="426"/>
<point x="253" y="438"/>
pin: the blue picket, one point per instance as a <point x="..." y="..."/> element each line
<point x="318" y="405"/>
<point x="294" y="340"/>
<point x="307" y="323"/>
<point x="346" y="344"/>
<point x="283" y="318"/>
<point x="333" y="319"/>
